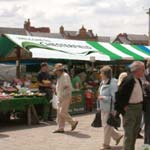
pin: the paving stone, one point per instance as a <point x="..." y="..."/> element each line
<point x="40" y="137"/>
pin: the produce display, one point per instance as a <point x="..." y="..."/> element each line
<point x="21" y="88"/>
<point x="10" y="92"/>
<point x="29" y="94"/>
<point x="4" y="96"/>
<point x="8" y="89"/>
<point x="46" y="81"/>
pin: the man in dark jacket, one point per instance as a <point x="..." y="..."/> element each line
<point x="129" y="99"/>
<point x="146" y="88"/>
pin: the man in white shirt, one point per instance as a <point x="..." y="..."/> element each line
<point x="129" y="102"/>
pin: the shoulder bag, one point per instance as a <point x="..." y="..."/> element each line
<point x="113" y="120"/>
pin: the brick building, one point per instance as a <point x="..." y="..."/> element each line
<point x="29" y="28"/>
<point x="136" y="39"/>
<point x="81" y="34"/>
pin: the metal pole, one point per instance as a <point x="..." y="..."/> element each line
<point x="18" y="53"/>
<point x="149" y="26"/>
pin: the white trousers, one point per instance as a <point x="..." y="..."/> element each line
<point x="109" y="131"/>
<point x="63" y="115"/>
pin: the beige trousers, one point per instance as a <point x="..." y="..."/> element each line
<point x="63" y="115"/>
<point x="109" y="132"/>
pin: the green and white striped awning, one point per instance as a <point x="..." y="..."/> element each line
<point x="122" y="51"/>
<point x="51" y="48"/>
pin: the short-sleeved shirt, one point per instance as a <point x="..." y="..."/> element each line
<point x="43" y="76"/>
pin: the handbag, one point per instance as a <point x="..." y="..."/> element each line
<point x="113" y="120"/>
<point x="97" y="120"/>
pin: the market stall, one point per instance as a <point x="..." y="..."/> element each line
<point x="23" y="103"/>
<point x="18" y="47"/>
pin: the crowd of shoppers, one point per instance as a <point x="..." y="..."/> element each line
<point x="130" y="97"/>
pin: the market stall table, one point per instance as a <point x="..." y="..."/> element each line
<point x="25" y="103"/>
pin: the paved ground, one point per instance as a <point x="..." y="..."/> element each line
<point x="40" y="137"/>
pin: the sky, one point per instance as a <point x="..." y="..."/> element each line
<point x="104" y="17"/>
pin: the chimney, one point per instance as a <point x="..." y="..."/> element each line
<point x="82" y="32"/>
<point x="91" y="33"/>
<point x="27" y="25"/>
<point x="61" y="30"/>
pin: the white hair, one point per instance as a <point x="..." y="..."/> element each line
<point x="136" y="65"/>
<point x="121" y="77"/>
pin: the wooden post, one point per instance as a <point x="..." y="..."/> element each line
<point x="29" y="115"/>
<point x="32" y="116"/>
<point x="35" y="114"/>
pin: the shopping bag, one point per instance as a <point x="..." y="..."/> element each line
<point x="97" y="120"/>
<point x="54" y="101"/>
<point x="114" y="120"/>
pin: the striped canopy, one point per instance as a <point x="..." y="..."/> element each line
<point x="122" y="51"/>
<point x="51" y="48"/>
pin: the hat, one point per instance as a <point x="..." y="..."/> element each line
<point x="58" y="67"/>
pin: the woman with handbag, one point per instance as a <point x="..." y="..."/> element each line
<point x="107" y="90"/>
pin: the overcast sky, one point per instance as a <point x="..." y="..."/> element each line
<point x="104" y="17"/>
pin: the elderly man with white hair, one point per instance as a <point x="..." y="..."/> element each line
<point x="146" y="88"/>
<point x="129" y="99"/>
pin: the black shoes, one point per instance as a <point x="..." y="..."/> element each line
<point x="74" y="126"/>
<point x="50" y="119"/>
<point x="139" y="136"/>
<point x="62" y="130"/>
<point x="59" y="131"/>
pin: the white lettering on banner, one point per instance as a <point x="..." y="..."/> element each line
<point x="51" y="42"/>
<point x="65" y="45"/>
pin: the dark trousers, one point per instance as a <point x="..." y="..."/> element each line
<point x="49" y="95"/>
<point x="40" y="108"/>
<point x="147" y="120"/>
<point x="132" y="121"/>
